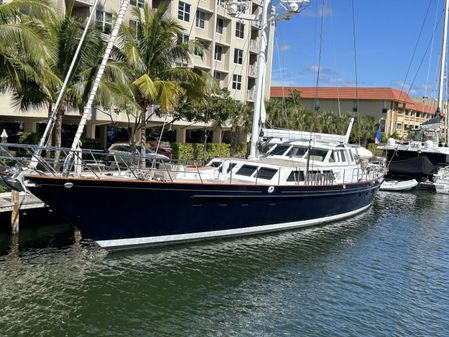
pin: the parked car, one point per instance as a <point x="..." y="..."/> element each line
<point x="124" y="154"/>
<point x="164" y="146"/>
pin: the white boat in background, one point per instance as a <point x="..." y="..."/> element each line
<point x="441" y="180"/>
<point x="397" y="186"/>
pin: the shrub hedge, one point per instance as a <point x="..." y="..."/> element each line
<point x="190" y="151"/>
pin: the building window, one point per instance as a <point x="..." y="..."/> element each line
<point x="183" y="38"/>
<point x="385" y="107"/>
<point x="200" y="19"/>
<point x="218" y="52"/>
<point x="220" y="26"/>
<point x="183" y="11"/>
<point x="237" y="82"/>
<point x="218" y="76"/>
<point x="134" y="27"/>
<point x="316" y="104"/>
<point x="138" y="3"/>
<point x="354" y="105"/>
<point x="238" y="56"/>
<point x="239" y="29"/>
<point x="104" y="21"/>
<point x="221" y="3"/>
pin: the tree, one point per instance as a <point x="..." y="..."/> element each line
<point x="40" y="85"/>
<point x="151" y="49"/>
<point x="25" y="51"/>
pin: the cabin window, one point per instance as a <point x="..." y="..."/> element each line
<point x="215" y="163"/>
<point x="317" y="154"/>
<point x="230" y="167"/>
<point x="246" y="170"/>
<point x="279" y="150"/>
<point x="343" y="156"/>
<point x="351" y="156"/>
<point x="266" y="173"/>
<point x="296" y="176"/>
<point x="297" y="152"/>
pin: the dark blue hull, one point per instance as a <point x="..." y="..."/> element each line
<point x="119" y="213"/>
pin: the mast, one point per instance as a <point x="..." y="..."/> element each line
<point x="262" y="64"/>
<point x="440" y="106"/>
<point x="68" y="163"/>
<point x="238" y="9"/>
<point x="52" y="118"/>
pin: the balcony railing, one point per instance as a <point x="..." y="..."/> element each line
<point x="251" y="95"/>
<point x="252" y="70"/>
<point x="254" y="46"/>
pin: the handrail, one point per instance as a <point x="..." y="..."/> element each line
<point x="94" y="163"/>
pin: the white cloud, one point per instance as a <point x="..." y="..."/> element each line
<point x="285" y="47"/>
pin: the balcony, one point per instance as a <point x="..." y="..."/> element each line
<point x="254" y="46"/>
<point x="85" y="2"/>
<point x="252" y="70"/>
<point x="251" y="95"/>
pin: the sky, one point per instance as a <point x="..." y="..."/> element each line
<point x="386" y="35"/>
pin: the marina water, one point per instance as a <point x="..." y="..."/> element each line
<point x="382" y="273"/>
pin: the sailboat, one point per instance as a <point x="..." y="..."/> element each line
<point x="306" y="180"/>
<point x="421" y="160"/>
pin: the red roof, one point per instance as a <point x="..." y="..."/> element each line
<point x="384" y="94"/>
<point x="421" y="107"/>
<point x="344" y="93"/>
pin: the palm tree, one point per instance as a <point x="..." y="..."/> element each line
<point x="39" y="86"/>
<point x="150" y="50"/>
<point x="25" y="51"/>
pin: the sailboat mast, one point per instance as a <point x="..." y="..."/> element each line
<point x="261" y="63"/>
<point x="443" y="65"/>
<point x="88" y="107"/>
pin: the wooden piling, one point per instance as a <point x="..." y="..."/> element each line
<point x="15" y="213"/>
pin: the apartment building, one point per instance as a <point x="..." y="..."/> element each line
<point x="230" y="56"/>
<point x="395" y="110"/>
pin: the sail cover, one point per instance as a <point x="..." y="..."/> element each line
<point x="433" y="123"/>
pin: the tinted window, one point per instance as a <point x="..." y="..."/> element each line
<point x="266" y="173"/>
<point x="296" y="176"/>
<point x="247" y="170"/>
<point x="279" y="150"/>
<point x="317" y="154"/>
<point x="215" y="163"/>
<point x="297" y="151"/>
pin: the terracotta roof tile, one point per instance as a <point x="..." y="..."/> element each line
<point x="384" y="94"/>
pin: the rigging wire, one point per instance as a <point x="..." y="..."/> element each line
<point x="414" y="51"/>
<point x="355" y="69"/>
<point x="423" y="58"/>
<point x="431" y="50"/>
<point x="320" y="50"/>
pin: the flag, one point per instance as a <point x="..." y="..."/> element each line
<point x="377" y="138"/>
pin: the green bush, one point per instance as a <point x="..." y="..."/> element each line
<point x="89" y="143"/>
<point x="3" y="188"/>
<point x="30" y="138"/>
<point x="189" y="151"/>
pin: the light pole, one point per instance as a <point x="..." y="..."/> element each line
<point x="238" y="9"/>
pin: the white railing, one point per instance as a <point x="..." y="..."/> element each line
<point x="254" y="46"/>
<point x="252" y="70"/>
<point x="98" y="164"/>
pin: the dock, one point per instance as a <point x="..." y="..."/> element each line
<point x="27" y="201"/>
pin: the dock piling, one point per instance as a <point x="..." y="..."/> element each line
<point x="15" y="213"/>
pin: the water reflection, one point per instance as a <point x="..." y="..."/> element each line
<point x="374" y="274"/>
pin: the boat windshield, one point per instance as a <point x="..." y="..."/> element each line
<point x="297" y="151"/>
<point x="279" y="150"/>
